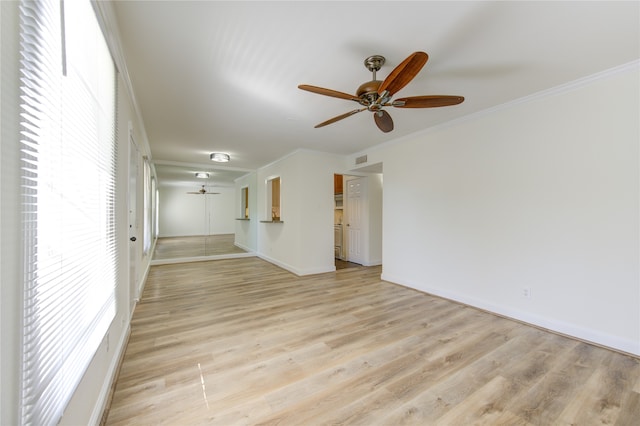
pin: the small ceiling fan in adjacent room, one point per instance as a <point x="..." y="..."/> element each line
<point x="203" y="191"/>
<point x="375" y="95"/>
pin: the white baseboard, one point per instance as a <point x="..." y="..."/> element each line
<point x="297" y="271"/>
<point x="572" y="330"/>
<point x="243" y="247"/>
<point x="201" y="258"/>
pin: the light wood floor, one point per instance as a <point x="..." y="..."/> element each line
<point x="195" y="246"/>
<point x="243" y="342"/>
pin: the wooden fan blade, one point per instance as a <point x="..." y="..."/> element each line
<point x="403" y="73"/>
<point x="328" y="92"/>
<point x="383" y="120"/>
<point x="338" y="118"/>
<point x="430" y="101"/>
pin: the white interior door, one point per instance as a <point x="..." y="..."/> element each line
<point x="133" y="221"/>
<point x="355" y="211"/>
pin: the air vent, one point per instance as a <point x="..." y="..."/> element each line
<point x="362" y="159"/>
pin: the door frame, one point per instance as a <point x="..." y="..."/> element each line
<point x="132" y="208"/>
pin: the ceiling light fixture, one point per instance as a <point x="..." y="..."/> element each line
<point x="220" y="157"/>
<point x="202" y="175"/>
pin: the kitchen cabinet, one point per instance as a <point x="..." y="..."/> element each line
<point x="337" y="184"/>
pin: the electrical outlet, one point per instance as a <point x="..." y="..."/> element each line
<point x="526" y="292"/>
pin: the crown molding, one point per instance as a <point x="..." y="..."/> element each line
<point x="547" y="93"/>
<point x="106" y="16"/>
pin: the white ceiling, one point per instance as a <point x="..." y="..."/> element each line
<point x="222" y="76"/>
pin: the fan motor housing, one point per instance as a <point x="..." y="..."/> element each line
<point x="368" y="87"/>
<point x="368" y="92"/>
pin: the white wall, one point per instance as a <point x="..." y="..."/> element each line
<point x="247" y="230"/>
<point x="183" y="214"/>
<point x="303" y="243"/>
<point x="10" y="228"/>
<point x="543" y="195"/>
<point x="375" y="219"/>
<point x="222" y="211"/>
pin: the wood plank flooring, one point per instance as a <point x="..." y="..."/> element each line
<point x="343" y="264"/>
<point x="195" y="246"/>
<point x="243" y="342"/>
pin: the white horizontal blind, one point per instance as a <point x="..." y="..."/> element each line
<point x="68" y="185"/>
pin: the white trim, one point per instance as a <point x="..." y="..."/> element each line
<point x="297" y="271"/>
<point x="547" y="93"/>
<point x="298" y="151"/>
<point x="243" y="247"/>
<point x="143" y="279"/>
<point x="200" y="258"/>
<point x="206" y="166"/>
<point x="108" y="22"/>
<point x="596" y="337"/>
<point x="553" y="91"/>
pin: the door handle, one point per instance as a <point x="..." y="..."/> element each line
<point x="132" y="238"/>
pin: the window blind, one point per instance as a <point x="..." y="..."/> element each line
<point x="68" y="166"/>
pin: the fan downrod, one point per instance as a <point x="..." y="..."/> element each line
<point x="368" y="91"/>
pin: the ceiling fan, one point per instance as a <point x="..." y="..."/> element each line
<point x="374" y="95"/>
<point x="203" y="191"/>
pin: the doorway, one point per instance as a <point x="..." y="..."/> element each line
<point x="358" y="220"/>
